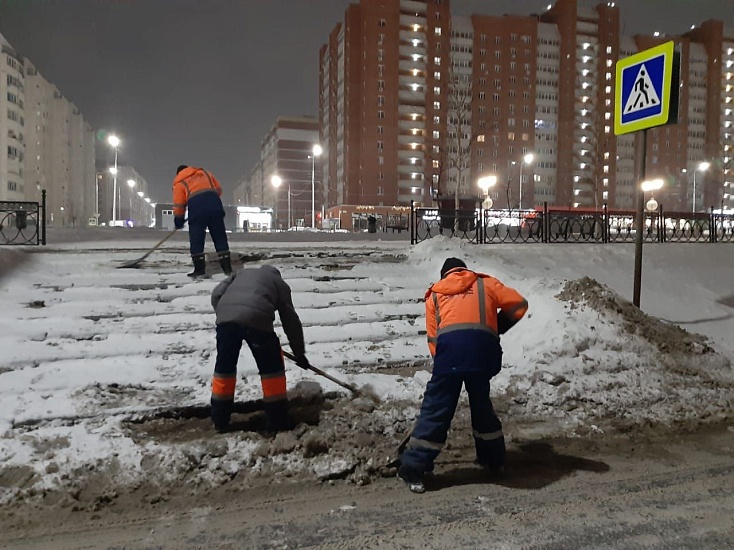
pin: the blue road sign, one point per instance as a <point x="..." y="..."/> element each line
<point x="643" y="90"/>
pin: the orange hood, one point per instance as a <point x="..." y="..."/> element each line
<point x="186" y="173"/>
<point x="457" y="280"/>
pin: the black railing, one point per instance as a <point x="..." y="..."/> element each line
<point x="557" y="225"/>
<point x="23" y="223"/>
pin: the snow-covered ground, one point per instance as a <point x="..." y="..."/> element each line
<point x="96" y="359"/>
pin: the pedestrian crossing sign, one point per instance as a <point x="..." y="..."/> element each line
<point x="647" y="89"/>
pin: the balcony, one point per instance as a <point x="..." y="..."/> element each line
<point x="407" y="20"/>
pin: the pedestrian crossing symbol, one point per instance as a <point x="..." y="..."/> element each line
<point x="643" y="93"/>
<point x="647" y="89"/>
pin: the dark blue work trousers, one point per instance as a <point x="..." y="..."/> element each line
<point x="197" y="232"/>
<point x="266" y="350"/>
<point x="437" y="410"/>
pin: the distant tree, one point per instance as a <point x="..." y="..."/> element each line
<point x="455" y="156"/>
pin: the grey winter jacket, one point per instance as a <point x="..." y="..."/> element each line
<point x="252" y="296"/>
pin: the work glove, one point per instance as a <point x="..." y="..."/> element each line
<point x="179" y="221"/>
<point x="302" y="362"/>
<point x="504" y="323"/>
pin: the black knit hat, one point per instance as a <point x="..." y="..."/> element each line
<point x="450" y="264"/>
<point x="182" y="167"/>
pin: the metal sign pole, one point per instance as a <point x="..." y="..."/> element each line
<point x="641" y="138"/>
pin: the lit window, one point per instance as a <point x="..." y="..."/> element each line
<point x="437" y="31"/>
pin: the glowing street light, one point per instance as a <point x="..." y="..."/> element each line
<point x="702" y="167"/>
<point x="114" y="141"/>
<point x="316" y="152"/>
<point x="527" y="159"/>
<point x="650" y="186"/>
<point x="484" y="184"/>
<point x="131" y="184"/>
<point x="276" y="181"/>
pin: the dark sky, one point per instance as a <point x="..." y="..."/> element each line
<point x="200" y="82"/>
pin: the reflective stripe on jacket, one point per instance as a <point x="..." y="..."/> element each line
<point x="190" y="182"/>
<point x="461" y="320"/>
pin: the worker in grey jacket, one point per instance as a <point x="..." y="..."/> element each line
<point x="245" y="304"/>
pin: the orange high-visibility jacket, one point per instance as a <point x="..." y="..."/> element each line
<point x="190" y="182"/>
<point x="461" y="319"/>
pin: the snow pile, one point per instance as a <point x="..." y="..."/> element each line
<point x="105" y="373"/>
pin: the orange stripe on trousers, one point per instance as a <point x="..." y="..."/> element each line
<point x="223" y="388"/>
<point x="273" y="387"/>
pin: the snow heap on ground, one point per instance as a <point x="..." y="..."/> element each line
<point x="105" y="376"/>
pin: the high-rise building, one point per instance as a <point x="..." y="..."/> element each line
<point x="287" y="152"/>
<point x="45" y="144"/>
<point x="12" y="124"/>
<point x="415" y="102"/>
<point x="384" y="100"/>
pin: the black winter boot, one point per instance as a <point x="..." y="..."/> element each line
<point x="225" y="262"/>
<point x="199" y="266"/>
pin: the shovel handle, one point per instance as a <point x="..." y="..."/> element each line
<point x="325" y="375"/>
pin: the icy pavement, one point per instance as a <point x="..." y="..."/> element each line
<point x="105" y="372"/>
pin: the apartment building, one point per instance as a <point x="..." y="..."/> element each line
<point x="415" y="102"/>
<point x="287" y="152"/>
<point x="383" y="102"/>
<point x="46" y="144"/>
<point x="12" y="124"/>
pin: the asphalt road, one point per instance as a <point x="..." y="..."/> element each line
<point x="676" y="491"/>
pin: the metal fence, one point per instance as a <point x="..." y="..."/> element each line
<point x="555" y="225"/>
<point x="23" y="223"/>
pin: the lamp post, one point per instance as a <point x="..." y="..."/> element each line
<point x="97" y="176"/>
<point x="702" y="167"/>
<point x="131" y="184"/>
<point x="484" y="184"/>
<point x="651" y="186"/>
<point x="276" y="181"/>
<point x="141" y="210"/>
<point x="317" y="150"/>
<point x="149" y="218"/>
<point x="527" y="159"/>
<point x="114" y="141"/>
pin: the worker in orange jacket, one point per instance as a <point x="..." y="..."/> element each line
<point x="200" y="192"/>
<point x="463" y="327"/>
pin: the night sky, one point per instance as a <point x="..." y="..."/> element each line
<point x="200" y="82"/>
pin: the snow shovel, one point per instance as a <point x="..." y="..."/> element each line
<point x="136" y="263"/>
<point x="395" y="462"/>
<point x="351" y="388"/>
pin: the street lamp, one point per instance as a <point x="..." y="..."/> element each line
<point x="484" y="184"/>
<point x="702" y="167"/>
<point x="317" y="150"/>
<point x="651" y="186"/>
<point x="114" y="141"/>
<point x="527" y="159"/>
<point x="97" y="177"/>
<point x="276" y="181"/>
<point x="131" y="184"/>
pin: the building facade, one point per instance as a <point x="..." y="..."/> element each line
<point x="12" y="124"/>
<point x="287" y="152"/>
<point x="415" y="103"/>
<point x="46" y="144"/>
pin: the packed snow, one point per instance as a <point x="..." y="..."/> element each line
<point x="99" y="365"/>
